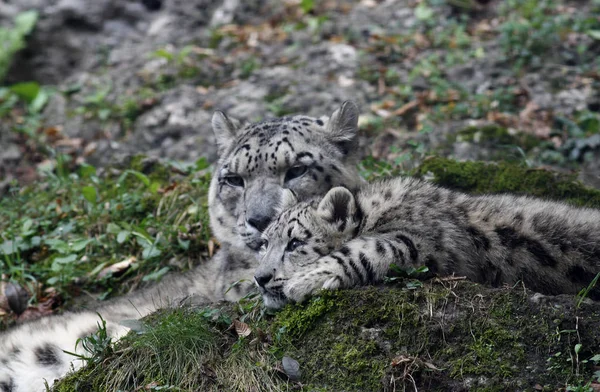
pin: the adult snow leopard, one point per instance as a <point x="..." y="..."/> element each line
<point x="348" y="239"/>
<point x="304" y="155"/>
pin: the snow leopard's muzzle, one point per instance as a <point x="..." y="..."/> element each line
<point x="260" y="209"/>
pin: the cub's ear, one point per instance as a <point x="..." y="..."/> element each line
<point x="342" y="127"/>
<point x="224" y="129"/>
<point x="288" y="200"/>
<point x="337" y="205"/>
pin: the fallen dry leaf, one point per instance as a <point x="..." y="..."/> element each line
<point x="90" y="148"/>
<point x="400" y="359"/>
<point x="53" y="133"/>
<point x="451" y="278"/>
<point x="412" y="361"/>
<point x="168" y="188"/>
<point x="404" y="108"/>
<point x="44" y="308"/>
<point x="117" y="268"/>
<point x="241" y="328"/>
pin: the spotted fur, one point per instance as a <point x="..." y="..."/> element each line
<point x="347" y="240"/>
<point x="300" y="154"/>
<point x="304" y="155"/>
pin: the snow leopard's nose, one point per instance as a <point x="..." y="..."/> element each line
<point x="259" y="222"/>
<point x="262" y="280"/>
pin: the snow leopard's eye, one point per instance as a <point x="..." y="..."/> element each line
<point x="234" y="180"/>
<point x="295" y="172"/>
<point x="293" y="244"/>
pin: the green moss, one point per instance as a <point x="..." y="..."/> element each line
<point x="326" y="336"/>
<point x="441" y="337"/>
<point x="295" y="320"/>
<point x="480" y="177"/>
<point x="493" y="353"/>
<point x="490" y="342"/>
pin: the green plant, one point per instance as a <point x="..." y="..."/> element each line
<point x="583" y="124"/>
<point x="410" y="272"/>
<point x="97" y="345"/>
<point x="584" y="292"/>
<point x="307" y="5"/>
<point x="278" y="108"/>
<point x="371" y="168"/>
<point x="70" y="229"/>
<point x="123" y="110"/>
<point x="529" y="31"/>
<point x="28" y="98"/>
<point x="182" y="63"/>
<point x="97" y="104"/>
<point x="583" y="386"/>
<point x="534" y="30"/>
<point x="248" y="66"/>
<point x="13" y="39"/>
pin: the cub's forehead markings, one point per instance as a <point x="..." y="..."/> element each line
<point x="285" y="140"/>
<point x="243" y="147"/>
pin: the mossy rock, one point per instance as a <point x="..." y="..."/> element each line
<point x="481" y="177"/>
<point x="444" y="336"/>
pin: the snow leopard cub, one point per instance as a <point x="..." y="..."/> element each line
<point x="347" y="239"/>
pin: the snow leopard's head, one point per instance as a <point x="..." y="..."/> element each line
<point x="298" y="244"/>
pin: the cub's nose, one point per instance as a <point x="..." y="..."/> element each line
<point x="259" y="222"/>
<point x="262" y="280"/>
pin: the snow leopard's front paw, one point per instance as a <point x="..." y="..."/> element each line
<point x="304" y="285"/>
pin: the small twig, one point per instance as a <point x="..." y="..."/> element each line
<point x="404" y="108"/>
<point x="452" y="278"/>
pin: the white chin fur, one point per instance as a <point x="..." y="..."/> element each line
<point x="273" y="303"/>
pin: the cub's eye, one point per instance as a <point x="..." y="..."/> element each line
<point x="234" y="180"/>
<point x="293" y="244"/>
<point x="295" y="172"/>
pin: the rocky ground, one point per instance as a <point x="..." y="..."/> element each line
<point x="515" y="81"/>
<point x="144" y="76"/>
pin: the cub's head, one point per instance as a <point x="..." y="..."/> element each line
<point x="305" y="155"/>
<point x="289" y="269"/>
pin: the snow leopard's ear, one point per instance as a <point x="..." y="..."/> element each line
<point x="338" y="205"/>
<point x="288" y="200"/>
<point x="225" y="129"/>
<point x="342" y="127"/>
